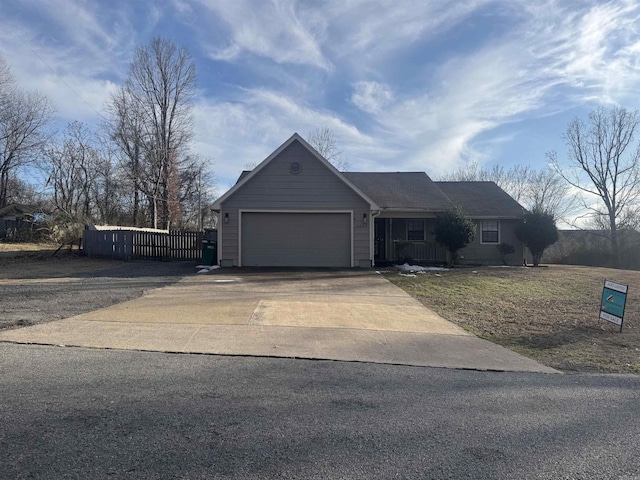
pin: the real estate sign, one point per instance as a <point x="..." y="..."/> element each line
<point x="614" y="298"/>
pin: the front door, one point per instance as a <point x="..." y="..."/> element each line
<point x="379" y="231"/>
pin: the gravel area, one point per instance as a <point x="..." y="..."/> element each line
<point x="39" y="290"/>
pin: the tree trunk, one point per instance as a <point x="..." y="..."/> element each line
<point x="4" y="180"/>
<point x="136" y="201"/>
<point x="154" y="212"/>
<point x="615" y="247"/>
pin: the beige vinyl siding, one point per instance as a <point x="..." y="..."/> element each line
<point x="487" y="253"/>
<point x="315" y="188"/>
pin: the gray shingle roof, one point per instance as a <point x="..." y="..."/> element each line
<point x="481" y="199"/>
<point x="242" y="175"/>
<point x="16" y="209"/>
<point x="412" y="191"/>
<point x="401" y="190"/>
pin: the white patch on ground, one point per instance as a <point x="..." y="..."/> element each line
<point x="406" y="268"/>
<point x="207" y="268"/>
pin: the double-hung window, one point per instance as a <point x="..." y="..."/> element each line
<point x="415" y="230"/>
<point x="490" y="231"/>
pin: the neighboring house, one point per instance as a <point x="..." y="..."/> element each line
<point x="296" y="209"/>
<point x="15" y="217"/>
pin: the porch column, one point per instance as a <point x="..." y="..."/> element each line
<point x="388" y="245"/>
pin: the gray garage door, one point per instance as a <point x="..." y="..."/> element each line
<point x="296" y="239"/>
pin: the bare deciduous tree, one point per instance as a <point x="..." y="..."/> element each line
<point x="161" y="85"/>
<point x="604" y="163"/>
<point x="72" y="166"/>
<point x="324" y="141"/>
<point x="108" y="191"/>
<point x="20" y="191"/>
<point x="546" y="192"/>
<point x="23" y="116"/>
<point x="197" y="194"/>
<point x="125" y="129"/>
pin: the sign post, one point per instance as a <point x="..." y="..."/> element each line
<point x="614" y="298"/>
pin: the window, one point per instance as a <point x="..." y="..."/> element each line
<point x="415" y="230"/>
<point x="490" y="231"/>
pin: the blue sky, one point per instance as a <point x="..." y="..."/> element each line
<point x="424" y="85"/>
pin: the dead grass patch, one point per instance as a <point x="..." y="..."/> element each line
<point x="549" y="313"/>
<point x="11" y="250"/>
<point x="35" y="261"/>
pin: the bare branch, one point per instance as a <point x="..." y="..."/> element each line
<point x="324" y="141"/>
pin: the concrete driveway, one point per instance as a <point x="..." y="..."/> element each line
<point x="351" y="315"/>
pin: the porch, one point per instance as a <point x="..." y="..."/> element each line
<point x="407" y="240"/>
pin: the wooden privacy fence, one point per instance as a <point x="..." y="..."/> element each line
<point x="139" y="245"/>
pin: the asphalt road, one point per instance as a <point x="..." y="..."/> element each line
<point x="80" y="413"/>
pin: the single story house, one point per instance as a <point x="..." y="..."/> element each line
<point x="14" y="217"/>
<point x="296" y="209"/>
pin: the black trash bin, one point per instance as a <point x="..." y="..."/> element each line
<point x="209" y="252"/>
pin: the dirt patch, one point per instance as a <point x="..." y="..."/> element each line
<point x="549" y="314"/>
<point x="38" y="289"/>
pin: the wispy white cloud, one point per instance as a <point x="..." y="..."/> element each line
<point x="75" y="87"/>
<point x="368" y="30"/>
<point x="85" y="29"/>
<point x="268" y="29"/>
<point x="371" y="97"/>
<point x="74" y="52"/>
<point x="469" y="95"/>
<point x="552" y="59"/>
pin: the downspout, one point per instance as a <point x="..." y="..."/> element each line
<point x="219" y="237"/>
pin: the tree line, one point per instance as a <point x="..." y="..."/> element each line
<point x="134" y="168"/>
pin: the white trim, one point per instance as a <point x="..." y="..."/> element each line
<point x="388" y="241"/>
<point x="303" y="142"/>
<point x="253" y="210"/>
<point x="372" y="219"/>
<point x="499" y="231"/>
<point x="353" y="239"/>
<point x="219" y="246"/>
<point x="240" y="238"/>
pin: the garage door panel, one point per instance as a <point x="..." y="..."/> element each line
<point x="296" y="239"/>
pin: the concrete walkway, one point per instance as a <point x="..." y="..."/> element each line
<point x="339" y="315"/>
